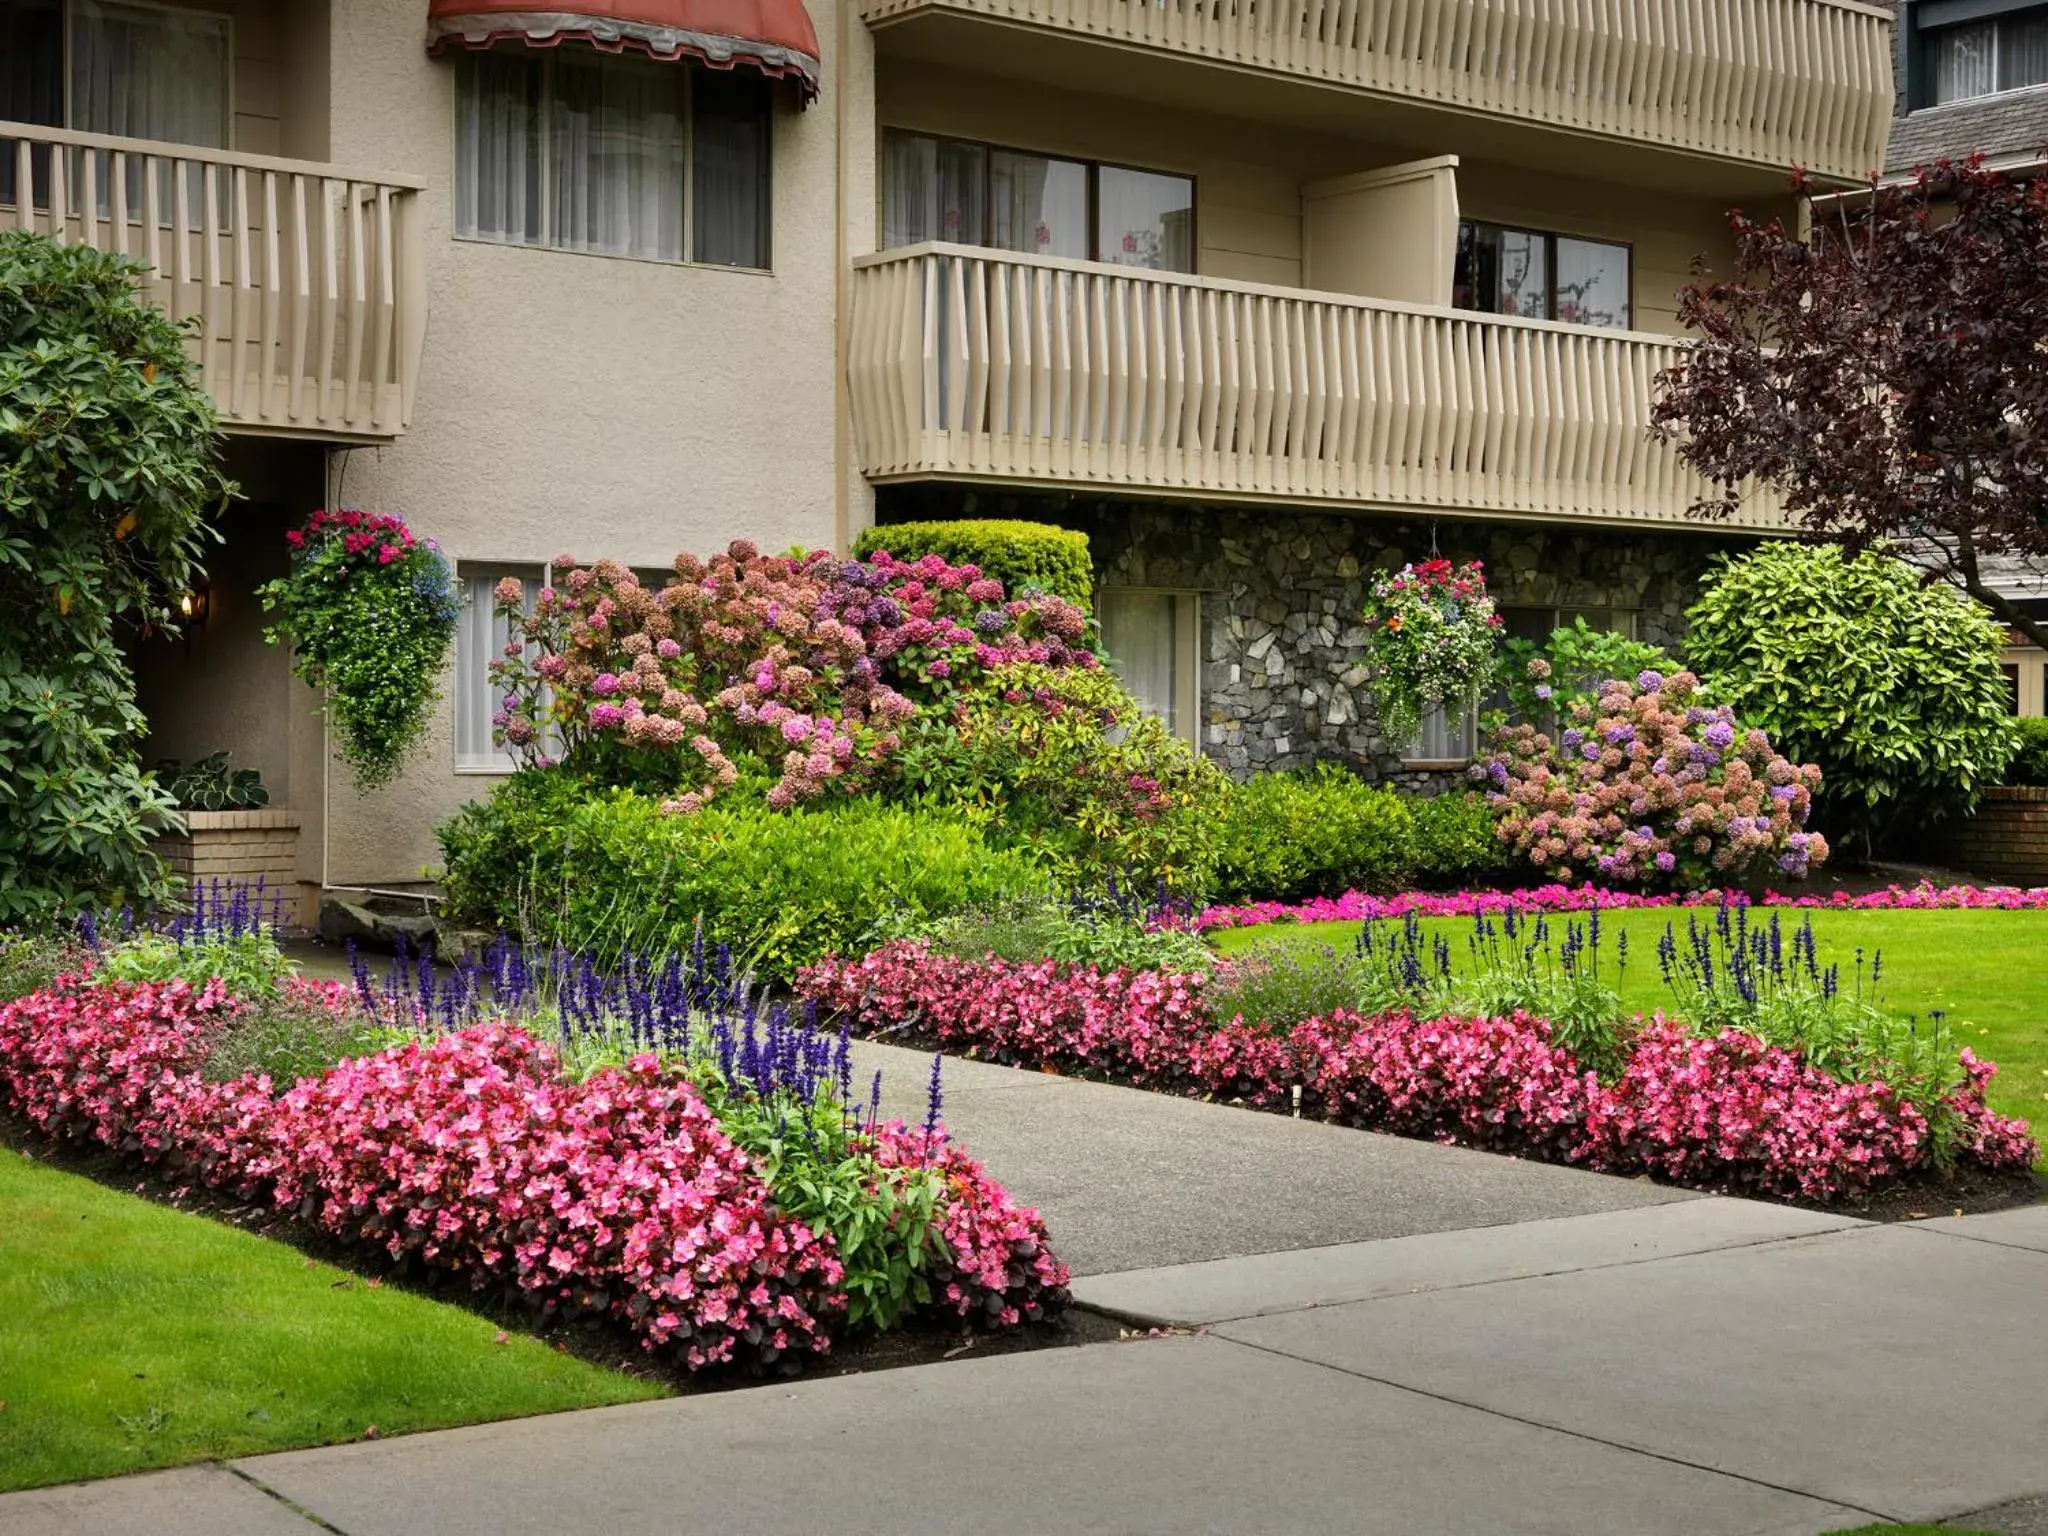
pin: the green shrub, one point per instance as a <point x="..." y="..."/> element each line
<point x="249" y="964"/>
<point x="291" y="1038"/>
<point x="1891" y="685"/>
<point x="1571" y="665"/>
<point x="1455" y="843"/>
<point x="1085" y="783"/>
<point x="1278" y="986"/>
<point x="1046" y="928"/>
<point x="616" y="875"/>
<point x="2029" y="763"/>
<point x="1286" y="836"/>
<point x="1016" y="553"/>
<point x="109" y="467"/>
<point x="506" y="850"/>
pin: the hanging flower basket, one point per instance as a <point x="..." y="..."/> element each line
<point x="1432" y="640"/>
<point x="369" y="612"/>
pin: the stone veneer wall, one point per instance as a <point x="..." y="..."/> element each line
<point x="1281" y="592"/>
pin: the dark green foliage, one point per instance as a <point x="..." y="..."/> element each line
<point x="1018" y="554"/>
<point x="209" y="784"/>
<point x="783" y="888"/>
<point x="1890" y="684"/>
<point x="2029" y="764"/>
<point x="1573" y="663"/>
<point x="108" y="471"/>
<point x="1454" y="843"/>
<point x="1286" y="836"/>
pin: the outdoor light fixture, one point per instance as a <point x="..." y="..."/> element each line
<point x="193" y="605"/>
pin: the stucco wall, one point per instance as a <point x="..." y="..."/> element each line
<point x="584" y="403"/>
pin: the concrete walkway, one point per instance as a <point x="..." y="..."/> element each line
<point x="1387" y="1337"/>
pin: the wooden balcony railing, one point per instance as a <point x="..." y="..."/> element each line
<point x="1772" y="82"/>
<point x="968" y="364"/>
<point x="306" y="282"/>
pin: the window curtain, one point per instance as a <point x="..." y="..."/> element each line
<point x="497" y="148"/>
<point x="1964" y="60"/>
<point x="1145" y="219"/>
<point x="480" y="639"/>
<point x="617" y="157"/>
<point x="2022" y="52"/>
<point x="1040" y="205"/>
<point x="1138" y="633"/>
<point x="149" y="74"/>
<point x="729" y="170"/>
<point x="933" y="190"/>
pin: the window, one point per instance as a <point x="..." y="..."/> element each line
<point x="1982" y="58"/>
<point x="612" y="155"/>
<point x="2012" y="687"/>
<point x="136" y="71"/>
<point x="1039" y="205"/>
<point x="1446" y="739"/>
<point x="1154" y="645"/>
<point x="1540" y="276"/>
<point x="480" y="639"/>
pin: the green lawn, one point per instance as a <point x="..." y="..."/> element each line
<point x="136" y="1336"/>
<point x="1987" y="970"/>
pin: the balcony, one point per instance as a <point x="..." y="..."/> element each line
<point x="1757" y="83"/>
<point x="305" y="282"/>
<point x="967" y="364"/>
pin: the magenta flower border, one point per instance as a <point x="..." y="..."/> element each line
<point x="1359" y="906"/>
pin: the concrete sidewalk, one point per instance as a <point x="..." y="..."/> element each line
<point x="1388" y="1336"/>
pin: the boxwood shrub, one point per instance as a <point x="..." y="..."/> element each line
<point x="614" y="875"/>
<point x="1018" y="554"/>
<point x="2029" y="765"/>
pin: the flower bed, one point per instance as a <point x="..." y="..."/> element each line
<point x="619" y="1196"/>
<point x="1358" y="906"/>
<point x="1726" y="1113"/>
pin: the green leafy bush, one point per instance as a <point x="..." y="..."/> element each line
<point x="249" y="964"/>
<point x="615" y="875"/>
<point x="109" y="466"/>
<point x="1890" y="685"/>
<point x="1286" y="836"/>
<point x="2029" y="763"/>
<point x="290" y="1038"/>
<point x="1018" y="554"/>
<point x="1455" y="842"/>
<point x="1544" y="681"/>
<point x="1046" y="928"/>
<point x="1083" y="781"/>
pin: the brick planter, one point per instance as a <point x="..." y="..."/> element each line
<point x="2006" y="840"/>
<point x="236" y="846"/>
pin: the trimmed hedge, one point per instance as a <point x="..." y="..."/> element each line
<point x="1019" y="554"/>
<point x="2029" y="765"/>
<point x="1287" y="836"/>
<point x="615" y="875"/>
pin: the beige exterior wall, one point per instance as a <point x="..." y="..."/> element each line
<point x="1250" y="177"/>
<point x="600" y="406"/>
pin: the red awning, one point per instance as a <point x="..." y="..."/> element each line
<point x="774" y="36"/>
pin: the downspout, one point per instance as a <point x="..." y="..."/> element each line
<point x="841" y="511"/>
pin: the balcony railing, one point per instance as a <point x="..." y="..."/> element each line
<point x="969" y="364"/>
<point x="305" y="281"/>
<point x="1772" y="82"/>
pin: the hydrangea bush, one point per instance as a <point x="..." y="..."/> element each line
<point x="369" y="612"/>
<point x="812" y="663"/>
<point x="1646" y="786"/>
<point x="1432" y="639"/>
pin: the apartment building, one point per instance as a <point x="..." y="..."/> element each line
<point x="1261" y="296"/>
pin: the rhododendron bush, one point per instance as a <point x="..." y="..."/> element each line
<point x="1645" y="786"/>
<point x="1726" y="1112"/>
<point x="618" y="1195"/>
